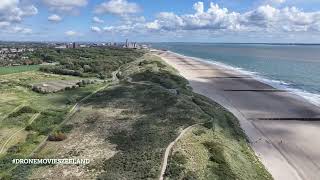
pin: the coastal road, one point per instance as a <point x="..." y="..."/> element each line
<point x="283" y="128"/>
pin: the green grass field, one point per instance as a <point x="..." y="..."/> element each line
<point x="18" y="69"/>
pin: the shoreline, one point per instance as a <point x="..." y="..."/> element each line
<point x="278" y="84"/>
<point x="293" y="159"/>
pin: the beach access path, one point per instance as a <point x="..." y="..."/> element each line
<point x="283" y="128"/>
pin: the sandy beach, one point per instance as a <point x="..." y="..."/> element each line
<point x="283" y="128"/>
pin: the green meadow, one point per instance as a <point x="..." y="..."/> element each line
<point x="18" y="69"/>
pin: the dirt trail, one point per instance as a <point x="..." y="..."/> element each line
<point x="168" y="150"/>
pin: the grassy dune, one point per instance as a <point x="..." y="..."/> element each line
<point x="126" y="128"/>
<point x="123" y="129"/>
<point x="215" y="150"/>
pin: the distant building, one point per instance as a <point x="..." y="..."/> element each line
<point x="61" y="47"/>
<point x="72" y="45"/>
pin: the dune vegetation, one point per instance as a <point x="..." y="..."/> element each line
<point x="125" y="127"/>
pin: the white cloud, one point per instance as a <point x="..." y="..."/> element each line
<point x="29" y="10"/>
<point x="123" y="29"/>
<point x="214" y="20"/>
<point x="199" y="7"/>
<point x="96" y="29"/>
<point x="72" y="33"/>
<point x="8" y="29"/>
<point x="4" y="24"/>
<point x="13" y="11"/>
<point x="54" y="18"/>
<point x="264" y="18"/>
<point x="8" y="4"/>
<point x="97" y="20"/>
<point x="117" y="7"/>
<point x="21" y="30"/>
<point x="132" y="19"/>
<point x="274" y="2"/>
<point x="65" y="5"/>
<point x="153" y="25"/>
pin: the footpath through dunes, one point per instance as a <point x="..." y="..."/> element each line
<point x="282" y="127"/>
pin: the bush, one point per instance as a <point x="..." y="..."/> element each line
<point x="190" y="176"/>
<point x="199" y="132"/>
<point x="71" y="100"/>
<point x="93" y="118"/>
<point x="66" y="128"/>
<point x="208" y="124"/>
<point x="176" y="166"/>
<point x="23" y="110"/>
<point x="28" y="128"/>
<point x="57" y="136"/>
<point x="47" y="121"/>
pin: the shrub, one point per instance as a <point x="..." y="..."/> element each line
<point x="93" y="118"/>
<point x="57" y="136"/>
<point x="28" y="128"/>
<point x="47" y="121"/>
<point x="190" y="176"/>
<point x="208" y="124"/>
<point x="71" y="100"/>
<point x="66" y="128"/>
<point x="176" y="166"/>
<point x="23" y="110"/>
<point x="199" y="132"/>
<point x="14" y="149"/>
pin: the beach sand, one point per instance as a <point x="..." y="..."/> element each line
<point x="283" y="128"/>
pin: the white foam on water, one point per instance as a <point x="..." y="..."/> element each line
<point x="278" y="84"/>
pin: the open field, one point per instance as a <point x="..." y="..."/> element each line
<point x="18" y="69"/>
<point x="15" y="90"/>
<point x="125" y="129"/>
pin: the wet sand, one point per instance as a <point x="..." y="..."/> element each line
<point x="283" y="128"/>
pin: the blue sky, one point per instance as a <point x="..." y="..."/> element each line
<point x="158" y="21"/>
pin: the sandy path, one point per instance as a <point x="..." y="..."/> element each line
<point x="283" y="128"/>
<point x="168" y="150"/>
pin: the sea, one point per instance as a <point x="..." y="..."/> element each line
<point x="292" y="67"/>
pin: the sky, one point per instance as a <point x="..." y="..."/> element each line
<point x="245" y="21"/>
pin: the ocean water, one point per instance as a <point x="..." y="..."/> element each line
<point x="292" y="67"/>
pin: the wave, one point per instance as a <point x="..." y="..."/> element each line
<point x="278" y="84"/>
